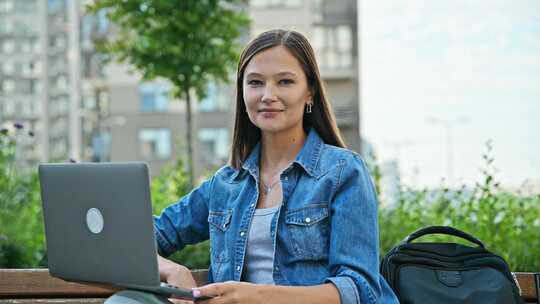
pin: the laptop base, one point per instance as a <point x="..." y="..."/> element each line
<point x="136" y="297"/>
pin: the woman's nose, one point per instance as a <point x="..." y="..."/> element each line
<point x="269" y="94"/>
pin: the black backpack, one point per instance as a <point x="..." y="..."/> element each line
<point x="432" y="273"/>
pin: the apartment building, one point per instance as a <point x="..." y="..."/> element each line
<point x="39" y="76"/>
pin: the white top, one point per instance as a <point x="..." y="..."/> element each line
<point x="259" y="259"/>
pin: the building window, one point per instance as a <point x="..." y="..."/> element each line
<point x="37" y="68"/>
<point x="55" y="5"/>
<point x="9" y="107"/>
<point x="8" y="46"/>
<point x="101" y="147"/>
<point x="63" y="104"/>
<point x="61" y="82"/>
<point x="24" y="28"/>
<point x="36" y="46"/>
<point x="8" y="68"/>
<point x="6" y="6"/>
<point x="36" y="86"/>
<point x="6" y="26"/>
<point x="19" y="108"/>
<point x="215" y="100"/>
<point x="26" y="46"/>
<point x="8" y="86"/>
<point x="27" y="109"/>
<point x="276" y="3"/>
<point x="154" y="97"/>
<point x="31" y="108"/>
<point x="102" y="22"/>
<point x="214" y="145"/>
<point x="333" y="46"/>
<point x="25" y="6"/>
<point x="57" y="41"/>
<point x="59" y="148"/>
<point x="27" y="69"/>
<point x="155" y="144"/>
<point x="317" y="10"/>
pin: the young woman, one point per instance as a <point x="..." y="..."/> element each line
<point x="293" y="217"/>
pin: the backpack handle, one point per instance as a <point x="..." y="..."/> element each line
<point x="442" y="230"/>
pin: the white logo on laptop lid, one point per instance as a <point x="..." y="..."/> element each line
<point x="94" y="220"/>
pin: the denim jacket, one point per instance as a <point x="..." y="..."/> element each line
<point x="326" y="229"/>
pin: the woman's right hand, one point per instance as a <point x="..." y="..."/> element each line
<point x="177" y="275"/>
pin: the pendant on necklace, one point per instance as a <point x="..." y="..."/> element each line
<point x="267" y="190"/>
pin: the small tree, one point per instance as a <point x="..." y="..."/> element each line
<point x="188" y="42"/>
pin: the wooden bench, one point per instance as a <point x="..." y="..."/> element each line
<point x="25" y="286"/>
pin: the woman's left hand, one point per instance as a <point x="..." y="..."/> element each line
<point x="230" y="293"/>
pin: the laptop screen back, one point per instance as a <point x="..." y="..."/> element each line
<point x="98" y="223"/>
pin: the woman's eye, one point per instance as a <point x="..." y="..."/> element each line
<point x="286" y="81"/>
<point x="254" y="82"/>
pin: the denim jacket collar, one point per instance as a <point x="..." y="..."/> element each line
<point x="307" y="158"/>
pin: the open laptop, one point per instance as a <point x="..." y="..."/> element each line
<point x="99" y="227"/>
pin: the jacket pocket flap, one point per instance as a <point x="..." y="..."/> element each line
<point x="220" y="219"/>
<point x="308" y="215"/>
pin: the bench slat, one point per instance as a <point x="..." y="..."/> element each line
<point x="527" y="283"/>
<point x="35" y="283"/>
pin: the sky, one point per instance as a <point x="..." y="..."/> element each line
<point x="473" y="66"/>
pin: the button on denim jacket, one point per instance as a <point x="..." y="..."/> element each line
<point x="326" y="229"/>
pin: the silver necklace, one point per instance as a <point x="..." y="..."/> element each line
<point x="267" y="189"/>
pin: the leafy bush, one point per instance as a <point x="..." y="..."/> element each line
<point x="21" y="223"/>
<point x="167" y="188"/>
<point x="507" y="223"/>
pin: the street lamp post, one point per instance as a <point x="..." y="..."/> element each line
<point x="448" y="125"/>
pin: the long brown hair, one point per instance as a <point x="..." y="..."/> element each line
<point x="246" y="135"/>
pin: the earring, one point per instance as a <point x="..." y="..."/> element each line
<point x="309" y="106"/>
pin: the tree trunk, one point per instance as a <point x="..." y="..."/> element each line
<point x="189" y="141"/>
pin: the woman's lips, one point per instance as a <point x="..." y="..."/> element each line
<point x="270" y="110"/>
<point x="270" y="113"/>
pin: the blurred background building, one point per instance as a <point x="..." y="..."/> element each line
<point x="53" y="82"/>
<point x="37" y="83"/>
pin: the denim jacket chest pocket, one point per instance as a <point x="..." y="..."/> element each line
<point x="308" y="229"/>
<point x="219" y="226"/>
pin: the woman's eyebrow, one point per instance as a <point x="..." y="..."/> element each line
<point x="286" y="73"/>
<point x="253" y="74"/>
<point x="280" y="74"/>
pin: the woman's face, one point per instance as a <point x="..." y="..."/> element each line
<point x="275" y="90"/>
